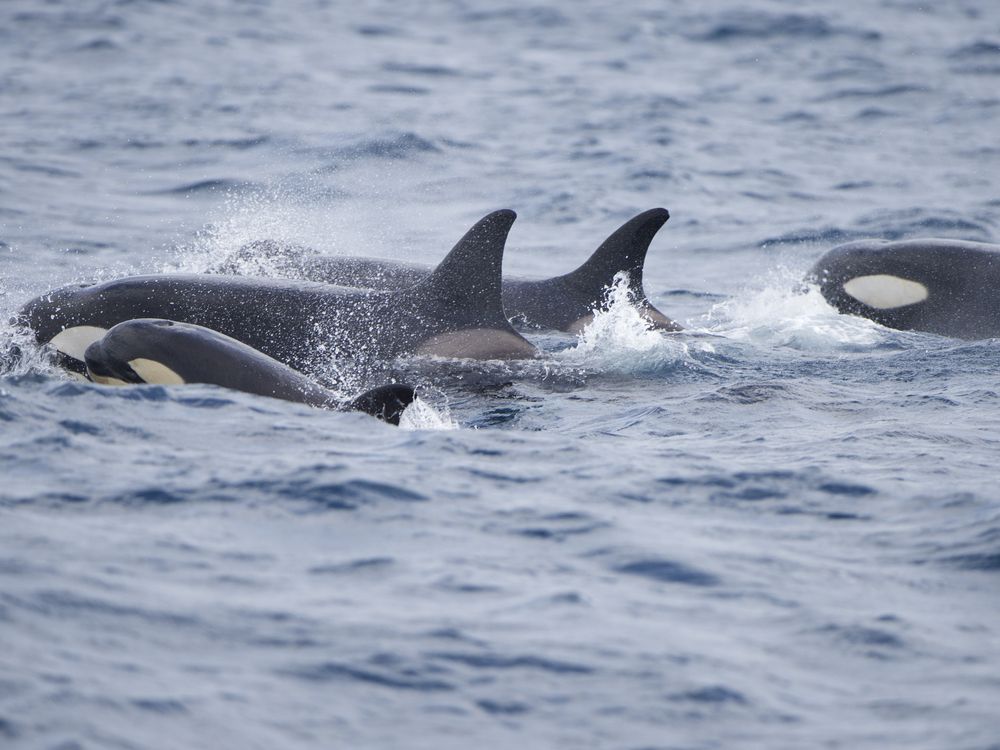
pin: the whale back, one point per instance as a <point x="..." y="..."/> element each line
<point x="561" y="303"/>
<point x="274" y="317"/>
<point x="166" y="352"/>
<point x="568" y="302"/>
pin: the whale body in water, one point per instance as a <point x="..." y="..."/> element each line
<point x="565" y="303"/>
<point x="948" y="287"/>
<point x="456" y="311"/>
<point x="165" y="352"/>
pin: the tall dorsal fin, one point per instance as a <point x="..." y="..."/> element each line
<point x="470" y="275"/>
<point x="624" y="250"/>
<point x="461" y="302"/>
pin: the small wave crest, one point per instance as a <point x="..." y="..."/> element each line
<point x="20" y="354"/>
<point x="620" y="339"/>
<point x="422" y="415"/>
<point x="780" y="310"/>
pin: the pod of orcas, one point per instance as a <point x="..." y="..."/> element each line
<point x="947" y="287"/>
<point x="262" y="335"/>
<point x="562" y="303"/>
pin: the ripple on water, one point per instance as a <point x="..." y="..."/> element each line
<point x="493" y="661"/>
<point x="318" y="494"/>
<point x="403" y="145"/>
<point x="351" y="567"/>
<point x="667" y="571"/>
<point x="810" y="490"/>
<point x="399" y="676"/>
<point x="754" y="26"/>
<point x="865" y="640"/>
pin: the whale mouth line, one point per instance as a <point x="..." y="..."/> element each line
<point x="885" y="292"/>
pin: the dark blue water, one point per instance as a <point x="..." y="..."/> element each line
<point x="780" y="529"/>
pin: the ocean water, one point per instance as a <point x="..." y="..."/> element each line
<point x="778" y="529"/>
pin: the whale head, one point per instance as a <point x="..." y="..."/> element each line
<point x="949" y="287"/>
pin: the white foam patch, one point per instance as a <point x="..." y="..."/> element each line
<point x="73" y="342"/>
<point x="420" y="415"/>
<point x="246" y="218"/>
<point x="20" y="354"/>
<point x="778" y="310"/>
<point x="886" y="292"/>
<point x="621" y="339"/>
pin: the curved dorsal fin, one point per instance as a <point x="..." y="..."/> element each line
<point x="470" y="275"/>
<point x="461" y="302"/>
<point x="624" y="250"/>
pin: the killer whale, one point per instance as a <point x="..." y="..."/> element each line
<point x="165" y="352"/>
<point x="456" y="311"/>
<point x="564" y="303"/>
<point x="947" y="287"/>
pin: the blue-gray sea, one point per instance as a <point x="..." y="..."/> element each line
<point x="778" y="529"/>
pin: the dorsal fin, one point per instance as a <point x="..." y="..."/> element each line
<point x="386" y="402"/>
<point x="473" y="267"/>
<point x="624" y="250"/>
<point x="470" y="275"/>
<point x="461" y="302"/>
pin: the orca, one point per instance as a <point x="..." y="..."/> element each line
<point x="565" y="303"/>
<point x="166" y="352"/>
<point x="456" y="311"/>
<point x="947" y="287"/>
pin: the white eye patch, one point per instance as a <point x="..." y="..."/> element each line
<point x="885" y="292"/>
<point x="155" y="373"/>
<point x="73" y="342"/>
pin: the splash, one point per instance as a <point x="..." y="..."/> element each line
<point x="247" y="217"/>
<point x="421" y="415"/>
<point x="20" y="354"/>
<point x="266" y="230"/>
<point x="621" y="339"/>
<point x="780" y="310"/>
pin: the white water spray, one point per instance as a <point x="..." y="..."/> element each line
<point x="779" y="310"/>
<point x="621" y="339"/>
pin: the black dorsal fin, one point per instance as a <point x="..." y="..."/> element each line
<point x="624" y="250"/>
<point x="386" y="402"/>
<point x="461" y="303"/>
<point x="469" y="279"/>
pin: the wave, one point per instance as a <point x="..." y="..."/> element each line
<point x="780" y="311"/>
<point x="620" y="340"/>
<point x="219" y="185"/>
<point x="745" y="25"/>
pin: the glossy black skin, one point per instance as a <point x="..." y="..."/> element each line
<point x="559" y="303"/>
<point x="962" y="279"/>
<point x="201" y="355"/>
<point x="302" y="324"/>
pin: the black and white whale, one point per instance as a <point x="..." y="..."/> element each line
<point x="165" y="352"/>
<point x="456" y="311"/>
<point x="948" y="287"/>
<point x="565" y="303"/>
